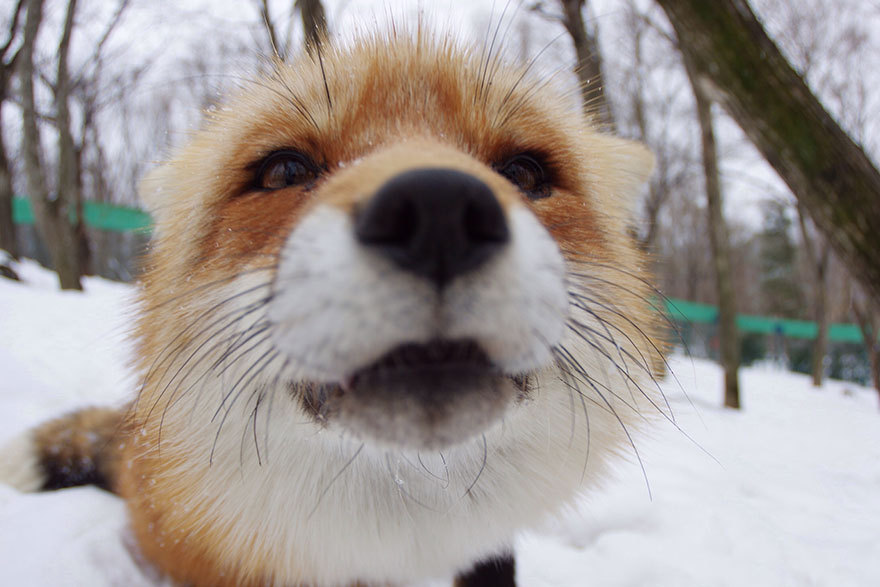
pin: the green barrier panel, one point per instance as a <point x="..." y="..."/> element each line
<point x="21" y="211"/>
<point x="96" y="214"/>
<point x="118" y="218"/>
<point x="691" y="311"/>
<point x="685" y="311"/>
<point x="845" y="333"/>
<point x="764" y="325"/>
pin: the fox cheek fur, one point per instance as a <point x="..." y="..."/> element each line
<point x="391" y="317"/>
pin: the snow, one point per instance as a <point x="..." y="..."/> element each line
<point x="784" y="492"/>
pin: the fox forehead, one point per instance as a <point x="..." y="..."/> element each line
<point x="355" y="99"/>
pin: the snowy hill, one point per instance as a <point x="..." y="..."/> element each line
<point x="789" y="496"/>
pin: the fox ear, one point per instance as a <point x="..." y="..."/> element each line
<point x="626" y="166"/>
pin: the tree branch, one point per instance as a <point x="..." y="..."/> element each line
<point x="97" y="54"/>
<point x="270" y="29"/>
<point x="13" y="32"/>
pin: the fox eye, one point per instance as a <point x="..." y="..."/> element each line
<point x="526" y="173"/>
<point x="284" y="169"/>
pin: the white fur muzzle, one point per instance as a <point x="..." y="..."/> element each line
<point x="338" y="306"/>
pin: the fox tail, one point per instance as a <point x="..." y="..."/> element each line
<point x="80" y="448"/>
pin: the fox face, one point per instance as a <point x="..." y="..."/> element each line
<point x="391" y="316"/>
<point x="439" y="295"/>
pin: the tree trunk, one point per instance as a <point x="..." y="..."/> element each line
<point x="314" y="23"/>
<point x="100" y="239"/>
<point x="52" y="215"/>
<point x="867" y="318"/>
<point x="269" y="24"/>
<point x="69" y="155"/>
<point x="657" y="195"/>
<point x="820" y="346"/>
<point x="657" y="191"/>
<point x="589" y="64"/>
<point x="825" y="169"/>
<point x="728" y="337"/>
<point x="8" y="241"/>
<point x="818" y="261"/>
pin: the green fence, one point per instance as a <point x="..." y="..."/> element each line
<point x="683" y="310"/>
<point x="95" y="214"/>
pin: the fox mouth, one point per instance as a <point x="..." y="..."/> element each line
<point x="417" y="366"/>
<point x="423" y="396"/>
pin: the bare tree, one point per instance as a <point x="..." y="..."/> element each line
<point x="818" y="259"/>
<point x="314" y="24"/>
<point x="52" y="211"/>
<point x="589" y="59"/>
<point x="728" y="334"/>
<point x="649" y="118"/>
<point x="867" y="315"/>
<point x="827" y="171"/>
<point x="684" y="265"/>
<point x="271" y="30"/>
<point x="92" y="95"/>
<point x="8" y="59"/>
<point x="830" y="54"/>
<point x="69" y="184"/>
<point x="56" y="185"/>
<point x="314" y="21"/>
<point x="589" y="62"/>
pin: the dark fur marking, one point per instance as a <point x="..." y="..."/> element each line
<point x="66" y="471"/>
<point x="495" y="572"/>
<point x="79" y="449"/>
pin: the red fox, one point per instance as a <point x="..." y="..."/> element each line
<point x="391" y="316"/>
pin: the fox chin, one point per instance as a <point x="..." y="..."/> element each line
<point x="390" y="317"/>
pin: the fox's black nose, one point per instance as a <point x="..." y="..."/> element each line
<point x="437" y="223"/>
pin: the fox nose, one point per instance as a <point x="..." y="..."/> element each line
<point x="436" y="223"/>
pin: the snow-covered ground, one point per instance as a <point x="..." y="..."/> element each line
<point x="789" y="496"/>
